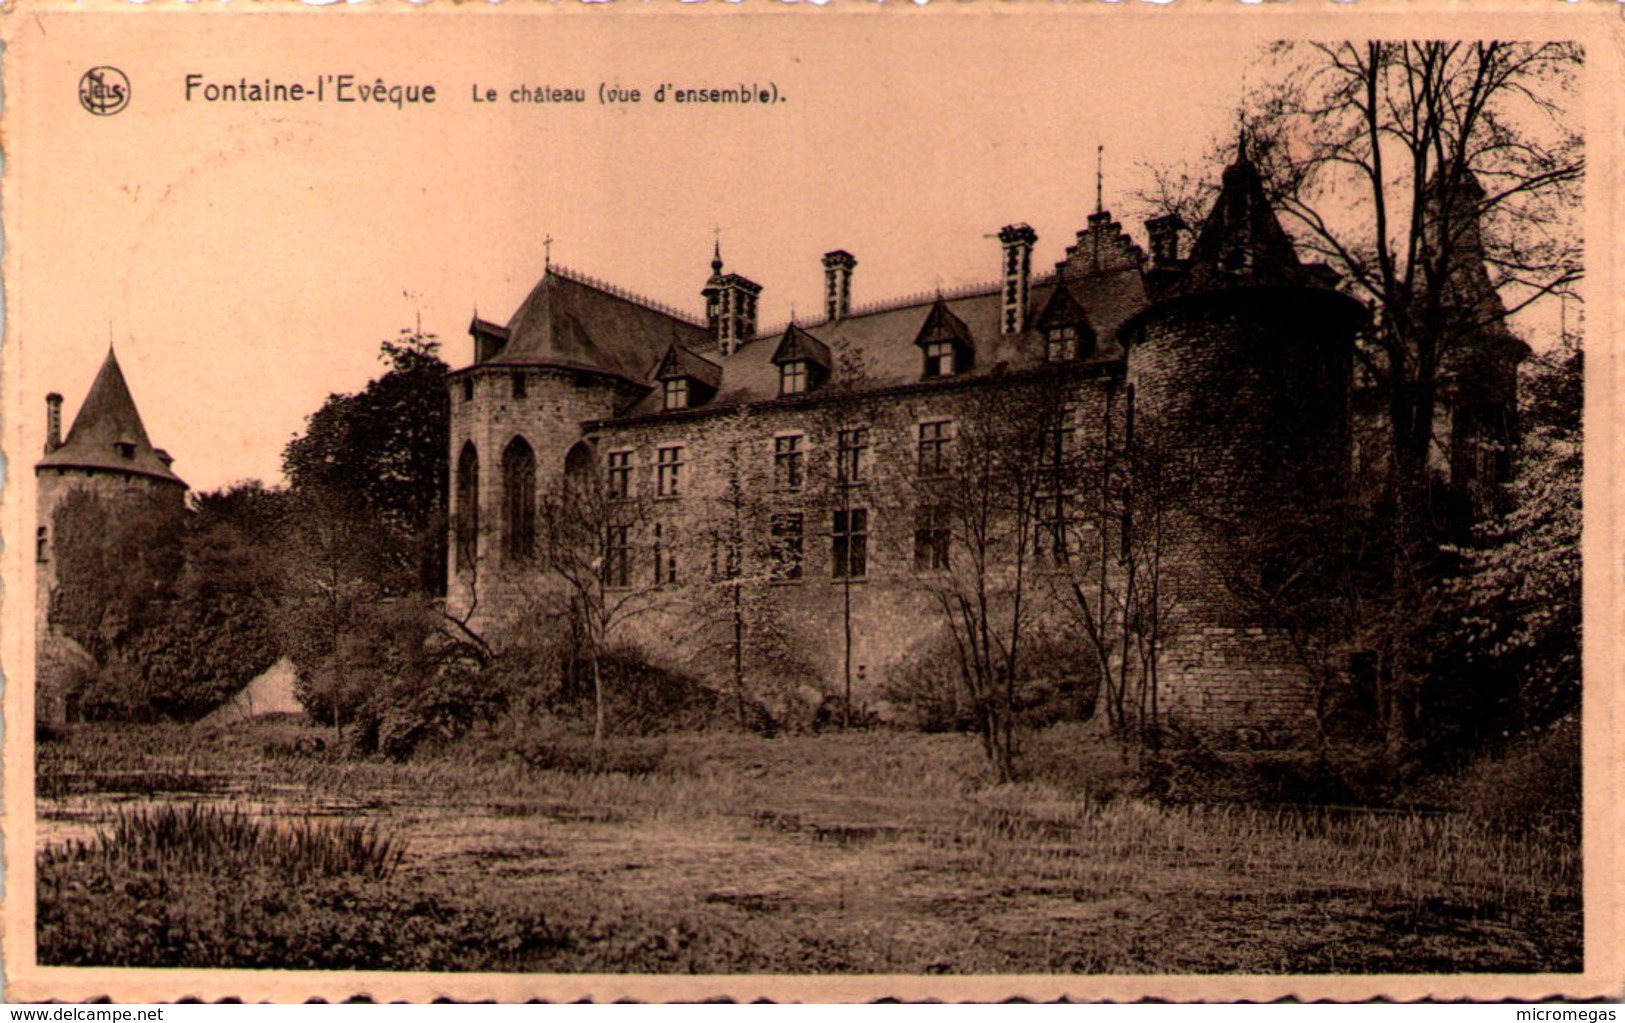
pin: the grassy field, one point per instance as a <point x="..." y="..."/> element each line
<point x="864" y="852"/>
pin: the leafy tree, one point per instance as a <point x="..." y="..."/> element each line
<point x="1513" y="662"/>
<point x="378" y="458"/>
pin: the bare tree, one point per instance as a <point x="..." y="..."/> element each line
<point x="978" y="502"/>
<point x="598" y="532"/>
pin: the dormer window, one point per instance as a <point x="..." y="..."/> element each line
<point x="126" y="448"/>
<point x="676" y="394"/>
<point x="803" y="362"/>
<point x="945" y="341"/>
<point x="1061" y="343"/>
<point x="1065" y="326"/>
<point x="793" y="378"/>
<point x="686" y="379"/>
<point x="939" y="359"/>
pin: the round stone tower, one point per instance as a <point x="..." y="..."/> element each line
<point x="1240" y="371"/>
<point x="107" y="454"/>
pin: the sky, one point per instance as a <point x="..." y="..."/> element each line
<point x="246" y="259"/>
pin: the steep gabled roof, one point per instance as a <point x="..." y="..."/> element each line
<point x="799" y="346"/>
<point x="107" y="426"/>
<point x="679" y="363"/>
<point x="570" y="321"/>
<point x="1063" y="310"/>
<point x="942" y="325"/>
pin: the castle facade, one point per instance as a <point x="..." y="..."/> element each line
<point x="818" y="484"/>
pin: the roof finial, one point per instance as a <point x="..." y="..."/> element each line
<point x="1100" y="179"/>
<point x="1241" y="137"/>
<point x="547" y="252"/>
<point x="716" y="250"/>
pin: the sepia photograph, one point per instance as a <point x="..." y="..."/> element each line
<point x="803" y="494"/>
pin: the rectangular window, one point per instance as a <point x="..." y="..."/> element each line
<point x="468" y="388"/>
<point x="1062" y="343"/>
<point x="676" y="394"/>
<point x="669" y="472"/>
<point x="619" y="476"/>
<point x="786" y="546"/>
<point x="787" y="462"/>
<point x="793" y="378"/>
<point x="939" y="359"/>
<point x="852" y="454"/>
<point x="931" y="535"/>
<point x="851" y="547"/>
<point x="518" y="386"/>
<point x="934" y="440"/>
<point x="665" y="552"/>
<point x="618" y="557"/>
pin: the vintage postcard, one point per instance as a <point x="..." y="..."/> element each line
<point x="762" y="501"/>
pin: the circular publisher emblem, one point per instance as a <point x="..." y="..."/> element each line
<point x="104" y="91"/>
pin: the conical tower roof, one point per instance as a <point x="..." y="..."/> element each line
<point x="108" y="433"/>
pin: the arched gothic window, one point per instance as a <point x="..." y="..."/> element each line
<point x="468" y="507"/>
<point x="518" y="502"/>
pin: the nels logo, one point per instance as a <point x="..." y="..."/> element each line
<point x="104" y="91"/>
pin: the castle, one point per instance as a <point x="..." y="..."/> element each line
<point x="1236" y="355"/>
<point x="107" y="454"/>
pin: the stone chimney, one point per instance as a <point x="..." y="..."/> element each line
<point x="1018" y="240"/>
<point x="730" y="306"/>
<point x="1164" y="232"/>
<point x="53" y="422"/>
<point x="838" y="283"/>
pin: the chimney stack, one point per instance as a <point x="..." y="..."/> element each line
<point x="53" y="422"/>
<point x="838" y="283"/>
<point x="1164" y="232"/>
<point x="1018" y="240"/>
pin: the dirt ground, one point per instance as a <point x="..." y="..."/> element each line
<point x="864" y="852"/>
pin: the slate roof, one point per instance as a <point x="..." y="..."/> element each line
<point x="799" y="346"/>
<point x="107" y="419"/>
<point x="882" y="339"/>
<point x="572" y="321"/>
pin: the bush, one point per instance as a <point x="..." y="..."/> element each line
<point x="1534" y="787"/>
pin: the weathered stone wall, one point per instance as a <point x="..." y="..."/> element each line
<point x="549" y="419"/>
<point x="1246" y="397"/>
<point x="59" y="662"/>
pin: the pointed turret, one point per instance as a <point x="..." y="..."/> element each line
<point x="108" y="434"/>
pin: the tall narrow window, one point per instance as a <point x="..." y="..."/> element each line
<point x="932" y="532"/>
<point x="934" y="440"/>
<point x="676" y="394"/>
<point x="851" y="546"/>
<point x="619" y="475"/>
<point x="468" y="507"/>
<point x="939" y="359"/>
<point x="852" y="455"/>
<point x="669" y="472"/>
<point x="793" y="378"/>
<point x="42" y="545"/>
<point x="468" y="388"/>
<point x="519" y="386"/>
<point x="618" y="557"/>
<point x="786" y="547"/>
<point x="787" y="462"/>
<point x="665" y="552"/>
<point x="518" y="502"/>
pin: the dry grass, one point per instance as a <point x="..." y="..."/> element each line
<point x="873" y="852"/>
